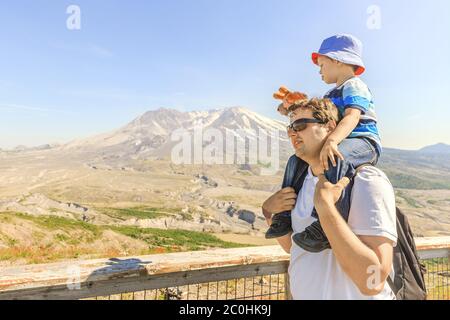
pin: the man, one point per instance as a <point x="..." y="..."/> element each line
<point x="360" y="260"/>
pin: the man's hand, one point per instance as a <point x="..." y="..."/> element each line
<point x="327" y="193"/>
<point x="329" y="151"/>
<point x="283" y="200"/>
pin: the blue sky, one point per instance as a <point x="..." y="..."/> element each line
<point x="133" y="56"/>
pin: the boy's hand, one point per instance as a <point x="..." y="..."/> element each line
<point x="327" y="193"/>
<point x="330" y="151"/>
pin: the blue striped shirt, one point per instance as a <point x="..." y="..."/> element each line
<point x="354" y="93"/>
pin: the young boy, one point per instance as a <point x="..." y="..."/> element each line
<point x="355" y="140"/>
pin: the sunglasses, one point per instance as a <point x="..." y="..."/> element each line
<point x="301" y="124"/>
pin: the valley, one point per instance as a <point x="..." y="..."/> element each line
<point x="121" y="194"/>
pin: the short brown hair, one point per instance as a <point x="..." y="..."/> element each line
<point x="322" y="109"/>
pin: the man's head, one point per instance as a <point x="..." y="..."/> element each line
<point x="309" y="138"/>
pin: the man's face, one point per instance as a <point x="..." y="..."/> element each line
<point x="328" y="69"/>
<point x="308" y="142"/>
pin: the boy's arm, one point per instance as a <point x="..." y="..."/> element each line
<point x="345" y="126"/>
<point x="356" y="97"/>
<point x="342" y="131"/>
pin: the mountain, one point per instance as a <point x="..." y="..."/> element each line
<point x="22" y="148"/>
<point x="150" y="135"/>
<point x="416" y="169"/>
<point x="440" y="148"/>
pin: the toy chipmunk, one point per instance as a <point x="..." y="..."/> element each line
<point x="288" y="98"/>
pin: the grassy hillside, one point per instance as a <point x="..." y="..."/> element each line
<point x="138" y="212"/>
<point x="26" y="239"/>
<point x="415" y="181"/>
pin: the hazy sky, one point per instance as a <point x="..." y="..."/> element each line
<point x="128" y="57"/>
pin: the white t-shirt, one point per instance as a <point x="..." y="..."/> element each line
<point x="319" y="276"/>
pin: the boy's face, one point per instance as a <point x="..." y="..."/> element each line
<point x="329" y="69"/>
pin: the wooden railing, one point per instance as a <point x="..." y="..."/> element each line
<point x="251" y="272"/>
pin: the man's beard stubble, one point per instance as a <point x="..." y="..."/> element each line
<point x="301" y="152"/>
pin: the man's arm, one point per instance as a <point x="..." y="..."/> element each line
<point x="367" y="260"/>
<point x="364" y="259"/>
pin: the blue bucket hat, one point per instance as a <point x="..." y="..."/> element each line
<point x="344" y="48"/>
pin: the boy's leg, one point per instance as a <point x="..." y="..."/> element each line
<point x="281" y="222"/>
<point x="356" y="152"/>
<point x="281" y="225"/>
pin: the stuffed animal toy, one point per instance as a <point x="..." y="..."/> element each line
<point x="288" y="98"/>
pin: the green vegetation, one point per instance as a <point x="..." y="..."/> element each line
<point x="62" y="237"/>
<point x="407" y="181"/>
<point x="71" y="236"/>
<point x="265" y="165"/>
<point x="186" y="216"/>
<point x="226" y="198"/>
<point x="175" y="240"/>
<point x="42" y="254"/>
<point x="138" y="212"/>
<point x="60" y="223"/>
<point x="410" y="201"/>
<point x="5" y="218"/>
<point x="436" y="279"/>
<point x="433" y="264"/>
<point x="9" y="241"/>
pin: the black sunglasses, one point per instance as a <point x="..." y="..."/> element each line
<point x="300" y="124"/>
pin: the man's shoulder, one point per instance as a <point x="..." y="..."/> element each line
<point x="368" y="171"/>
<point x="372" y="178"/>
<point x="373" y="208"/>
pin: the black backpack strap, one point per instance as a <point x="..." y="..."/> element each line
<point x="391" y="284"/>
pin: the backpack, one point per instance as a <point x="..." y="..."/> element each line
<point x="409" y="280"/>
